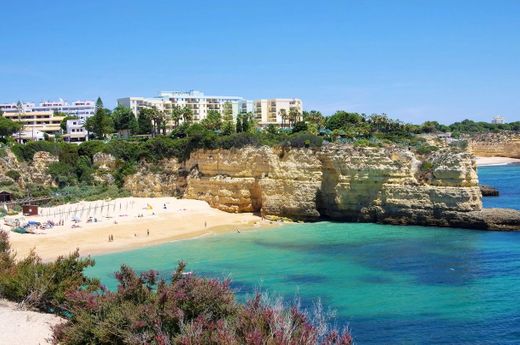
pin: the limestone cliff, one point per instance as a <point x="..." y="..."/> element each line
<point x="390" y="185"/>
<point x="495" y="144"/>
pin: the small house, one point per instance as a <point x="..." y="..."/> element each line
<point x="5" y="196"/>
<point x="30" y="210"/>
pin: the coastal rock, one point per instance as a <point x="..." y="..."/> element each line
<point x="38" y="169"/>
<point x="154" y="180"/>
<point x="104" y="161"/>
<point x="504" y="144"/>
<point x="377" y="184"/>
<point x="489" y="191"/>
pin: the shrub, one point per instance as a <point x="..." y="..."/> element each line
<point x="426" y="166"/>
<point x="303" y="139"/>
<point x="15" y="175"/>
<point x="187" y="310"/>
<point x="239" y="140"/>
<point x="42" y="285"/>
<point x="426" y="149"/>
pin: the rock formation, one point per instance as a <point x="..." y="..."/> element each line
<point x="495" y="144"/>
<point x="387" y="185"/>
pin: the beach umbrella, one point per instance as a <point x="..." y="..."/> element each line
<point x="76" y="219"/>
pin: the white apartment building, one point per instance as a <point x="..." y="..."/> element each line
<point x="268" y="111"/>
<point x="41" y="118"/>
<point x="197" y="101"/>
<point x="43" y="121"/>
<point x="81" y="109"/>
<point x="76" y="132"/>
<point x="498" y="120"/>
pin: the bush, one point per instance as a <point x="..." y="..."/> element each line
<point x="25" y="152"/>
<point x="187" y="310"/>
<point x="426" y="149"/>
<point x="426" y="166"/>
<point x="15" y="175"/>
<point x="303" y="139"/>
<point x="42" y="285"/>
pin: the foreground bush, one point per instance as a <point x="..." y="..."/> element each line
<point x="40" y="285"/>
<point x="146" y="309"/>
<point x="186" y="310"/>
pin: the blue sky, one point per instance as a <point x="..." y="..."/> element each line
<point x="412" y="59"/>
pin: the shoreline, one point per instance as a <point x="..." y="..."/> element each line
<point x="495" y="161"/>
<point x="145" y="222"/>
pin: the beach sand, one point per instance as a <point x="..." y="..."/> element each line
<point x="483" y="161"/>
<point x="24" y="326"/>
<point x="181" y="219"/>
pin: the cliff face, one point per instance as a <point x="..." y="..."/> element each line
<point x="496" y="144"/>
<point x="387" y="185"/>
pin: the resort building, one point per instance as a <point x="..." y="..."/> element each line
<point x="197" y="101"/>
<point x="76" y="132"/>
<point x="42" y="117"/>
<point x="43" y="121"/>
<point x="498" y="120"/>
<point x="270" y="111"/>
<point x="266" y="111"/>
<point x="81" y="109"/>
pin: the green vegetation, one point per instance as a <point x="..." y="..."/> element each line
<point x="149" y="309"/>
<point x="156" y="134"/>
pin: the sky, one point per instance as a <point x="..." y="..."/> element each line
<point x="412" y="59"/>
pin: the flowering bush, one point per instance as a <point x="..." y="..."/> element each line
<point x="145" y="309"/>
<point x="187" y="310"/>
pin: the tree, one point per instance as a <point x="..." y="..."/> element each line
<point x="124" y="120"/>
<point x="294" y="116"/>
<point x="144" y="121"/>
<point x="247" y="122"/>
<point x="238" y="126"/>
<point x="101" y="123"/>
<point x="187" y="115"/>
<point x="99" y="103"/>
<point x="158" y="121"/>
<point x="284" y="116"/>
<point x="299" y="126"/>
<point x="177" y="114"/>
<point x="213" y="121"/>
<point x="342" y="119"/>
<point x="227" y="119"/>
<point x="314" y="117"/>
<point x="8" y="127"/>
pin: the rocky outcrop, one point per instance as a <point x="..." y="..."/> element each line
<point x="489" y="191"/>
<point x="388" y="185"/>
<point x="152" y="180"/>
<point x="495" y="144"/>
<point x="37" y="170"/>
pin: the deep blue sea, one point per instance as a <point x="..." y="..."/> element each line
<point x="390" y="284"/>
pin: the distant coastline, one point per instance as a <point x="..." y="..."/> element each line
<point x="495" y="161"/>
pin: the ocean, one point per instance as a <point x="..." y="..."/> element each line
<point x="389" y="284"/>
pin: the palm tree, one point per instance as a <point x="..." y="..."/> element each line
<point x="187" y="115"/>
<point x="294" y="116"/>
<point x="177" y="114"/>
<point x="283" y="115"/>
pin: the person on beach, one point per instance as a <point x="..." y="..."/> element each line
<point x="147" y="232"/>
<point x="205" y="224"/>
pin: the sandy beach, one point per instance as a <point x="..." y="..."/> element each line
<point x="484" y="161"/>
<point x="132" y="222"/>
<point x="16" y="322"/>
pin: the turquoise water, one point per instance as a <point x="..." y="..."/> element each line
<point x="391" y="284"/>
<point x="507" y="179"/>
